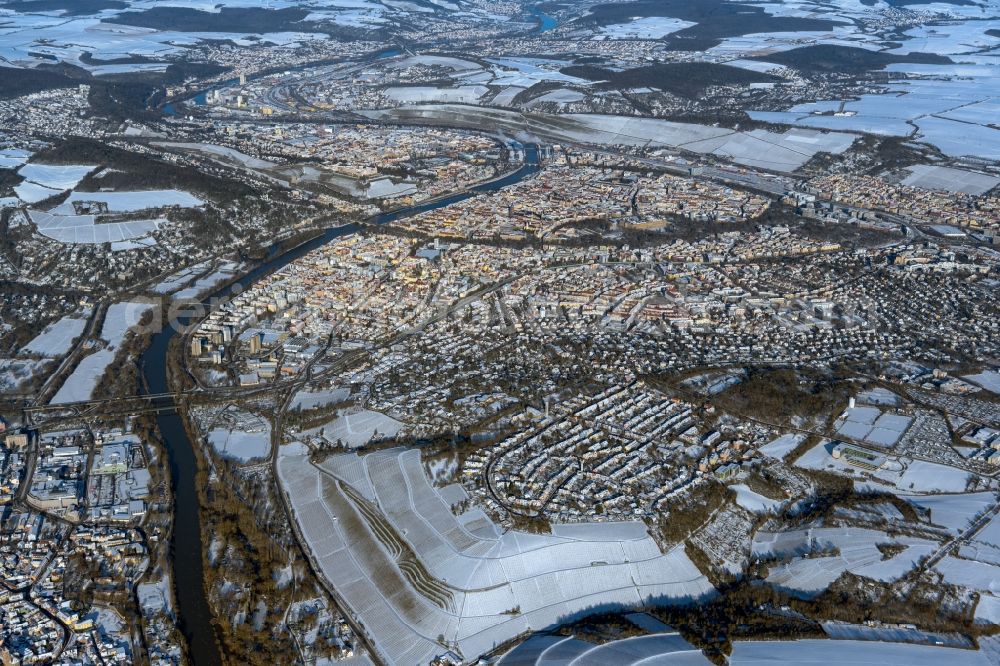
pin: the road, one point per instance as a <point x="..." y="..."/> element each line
<point x="963" y="537"/>
<point x="56" y="379"/>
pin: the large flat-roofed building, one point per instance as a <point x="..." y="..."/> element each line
<point x="858" y="456"/>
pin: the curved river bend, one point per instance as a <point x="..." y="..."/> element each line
<point x="194" y="615"/>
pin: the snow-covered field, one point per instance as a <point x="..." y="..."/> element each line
<point x="31" y="37"/>
<point x="647" y="27"/>
<point x="387" y="188"/>
<point x="128" y="202"/>
<point x="560" y="96"/>
<point x="526" y="72"/>
<point x="179" y="279"/>
<point x="81" y="384"/>
<point x="57" y="338"/>
<point x="858" y="553"/>
<point x="755" y="502"/>
<point x="84" y="228"/>
<point x="454" y="64"/>
<point x="782" y="446"/>
<point x="29" y="192"/>
<point x="988" y="379"/>
<point x="988" y="609"/>
<point x="890" y="633"/>
<point x="223" y="153"/>
<point x="357" y="428"/>
<point x="907" y="476"/>
<point x="243" y="446"/>
<point x="659" y="648"/>
<point x="869" y="424"/>
<point x="506" y="96"/>
<point x="14" y="372"/>
<point x="63" y="224"/>
<point x="879" y="396"/>
<point x="470" y="583"/>
<point x="208" y="283"/>
<point x="120" y="318"/>
<point x="57" y="177"/>
<point x="970" y="573"/>
<point x="954" y="512"/>
<point x="926" y="103"/>
<point x="13" y="157"/>
<point x="850" y="653"/>
<point x="977" y="562"/>
<point x="783" y="151"/>
<point x="952" y="180"/>
<point x="418" y="94"/>
<point x="313" y="399"/>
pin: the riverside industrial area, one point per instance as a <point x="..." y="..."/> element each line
<point x="465" y="332"/>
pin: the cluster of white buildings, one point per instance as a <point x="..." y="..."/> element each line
<point x="979" y="212"/>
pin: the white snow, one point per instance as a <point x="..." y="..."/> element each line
<point x="782" y="446"/>
<point x="13" y="157"/>
<point x="127" y="202"/>
<point x="357" y="428"/>
<point x="179" y="279"/>
<point x="27" y="37"/>
<point x="659" y="648"/>
<point x="418" y="94"/>
<point x="207" y="283"/>
<point x="68" y="228"/>
<point x="755" y="502"/>
<point x="988" y="379"/>
<point x="970" y="573"/>
<point x="473" y="579"/>
<point x="951" y="110"/>
<point x="58" y="177"/>
<point x="858" y="553"/>
<point x="850" y="653"/>
<point x="223" y="153"/>
<point x="560" y="96"/>
<point x="784" y="151"/>
<point x="80" y="385"/>
<point x="954" y="512"/>
<point x="57" y="338"/>
<point x="120" y="318"/>
<point x="922" y="476"/>
<point x="506" y="96"/>
<point x="952" y="180"/>
<point x="15" y="372"/>
<point x="988" y="609"/>
<point x="906" y="475"/>
<point x="241" y="445"/>
<point x="313" y="399"/>
<point x="647" y="27"/>
<point x="454" y="64"/>
<point x="29" y="192"/>
<point x="154" y="596"/>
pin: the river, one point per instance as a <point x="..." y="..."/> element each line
<point x="194" y="616"/>
<point x="545" y="22"/>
